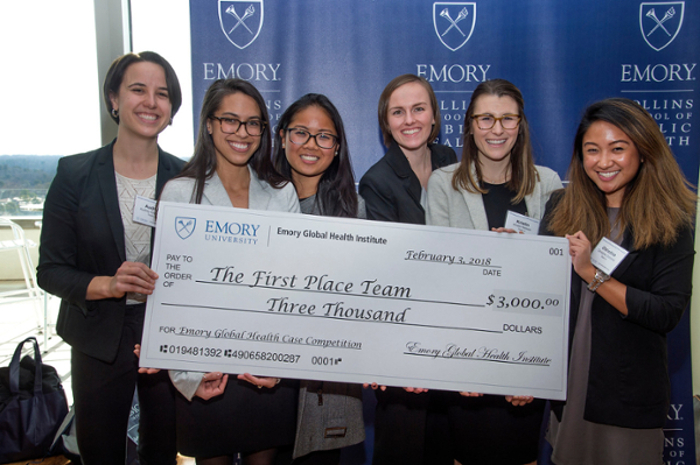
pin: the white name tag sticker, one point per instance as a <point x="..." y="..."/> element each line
<point x="145" y="211"/>
<point x="521" y="223"/>
<point x="607" y="256"/>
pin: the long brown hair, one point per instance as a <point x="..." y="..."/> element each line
<point x="657" y="202"/>
<point x="523" y="175"/>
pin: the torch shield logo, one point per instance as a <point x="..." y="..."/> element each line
<point x="241" y="20"/>
<point x="660" y="22"/>
<point x="454" y="23"/>
<point x="184" y="226"/>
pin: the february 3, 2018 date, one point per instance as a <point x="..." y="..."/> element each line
<point x="197" y="351"/>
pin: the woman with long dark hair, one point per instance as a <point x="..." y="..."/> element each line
<point x="311" y="151"/>
<point x="320" y="170"/>
<point x="96" y="257"/>
<point x="624" y="185"/>
<point x="231" y="167"/>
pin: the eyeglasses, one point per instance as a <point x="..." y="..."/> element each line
<point x="254" y="127"/>
<point x="324" y="140"/>
<point x="487" y="121"/>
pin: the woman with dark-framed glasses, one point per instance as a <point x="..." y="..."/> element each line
<point x="311" y="151"/>
<point x="231" y="167"/>
<point x="497" y="174"/>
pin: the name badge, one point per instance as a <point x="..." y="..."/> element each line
<point x="145" y="211"/>
<point x="607" y="256"/>
<point x="521" y="223"/>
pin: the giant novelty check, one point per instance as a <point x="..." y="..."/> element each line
<point x="308" y="297"/>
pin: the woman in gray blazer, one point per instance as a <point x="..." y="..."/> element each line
<point x="497" y="174"/>
<point x="231" y="167"/>
<point x="312" y="152"/>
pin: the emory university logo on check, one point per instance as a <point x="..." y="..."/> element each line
<point x="184" y="226"/>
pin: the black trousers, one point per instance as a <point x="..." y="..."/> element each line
<point x="411" y="429"/>
<point x="103" y="394"/>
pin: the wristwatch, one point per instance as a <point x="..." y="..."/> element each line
<point x="599" y="279"/>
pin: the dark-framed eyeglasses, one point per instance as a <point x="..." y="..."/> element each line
<point x="254" y="127"/>
<point x="300" y="136"/>
<point x="487" y="121"/>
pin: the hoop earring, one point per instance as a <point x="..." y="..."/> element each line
<point x="115" y="113"/>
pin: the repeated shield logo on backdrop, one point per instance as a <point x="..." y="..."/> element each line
<point x="660" y="22"/>
<point x="241" y="20"/>
<point x="454" y="23"/>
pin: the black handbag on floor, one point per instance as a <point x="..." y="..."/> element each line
<point x="32" y="406"/>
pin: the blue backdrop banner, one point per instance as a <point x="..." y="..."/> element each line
<point x="562" y="55"/>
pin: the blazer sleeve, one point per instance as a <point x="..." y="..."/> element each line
<point x="58" y="271"/>
<point x="290" y="200"/>
<point x="550" y="182"/>
<point x="186" y="382"/>
<point x="380" y="203"/>
<point x="437" y="212"/>
<point x="178" y="190"/>
<point x="670" y="285"/>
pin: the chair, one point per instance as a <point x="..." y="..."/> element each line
<point x="22" y="245"/>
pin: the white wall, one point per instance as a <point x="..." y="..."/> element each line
<point x="50" y="89"/>
<point x="163" y="26"/>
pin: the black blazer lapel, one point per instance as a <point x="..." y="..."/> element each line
<point x="400" y="165"/>
<point x="166" y="171"/>
<point x="624" y="265"/>
<point x="108" y="187"/>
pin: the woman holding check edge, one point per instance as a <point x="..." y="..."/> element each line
<point x="625" y="185"/>
<point x="96" y="258"/>
<point x="410" y="425"/>
<point x="231" y="166"/>
<point x="497" y="174"/>
<point x="312" y="152"/>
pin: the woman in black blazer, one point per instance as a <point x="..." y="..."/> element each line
<point x="624" y="185"/>
<point x="95" y="257"/>
<point x="409" y="117"/>
<point x="394" y="189"/>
